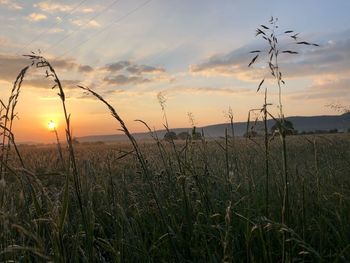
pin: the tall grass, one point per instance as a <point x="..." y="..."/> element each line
<point x="271" y="35"/>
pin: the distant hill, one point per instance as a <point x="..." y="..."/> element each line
<point x="301" y="123"/>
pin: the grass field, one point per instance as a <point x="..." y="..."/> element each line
<point x="200" y="201"/>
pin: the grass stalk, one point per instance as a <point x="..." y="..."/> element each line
<point x="266" y="142"/>
<point x="144" y="166"/>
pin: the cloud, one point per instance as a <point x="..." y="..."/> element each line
<point x="85" y="68"/>
<point x="52" y="7"/>
<point x="196" y="90"/>
<point x="85" y="23"/>
<point x="44" y="83"/>
<point x="231" y="64"/>
<point x="63" y="64"/>
<point x="114" y="67"/>
<point x="87" y="10"/>
<point x="133" y="68"/>
<point x="144" y="69"/>
<point x="121" y="74"/>
<point x="10" y="66"/>
<point x="125" y="80"/>
<point x="332" y="57"/>
<point x="93" y="23"/>
<point x="325" y="89"/>
<point x="36" y="17"/>
<point x="209" y="90"/>
<point x="55" y="30"/>
<point x="11" y="4"/>
<point x="129" y="73"/>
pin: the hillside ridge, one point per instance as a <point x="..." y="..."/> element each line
<point x="301" y="123"/>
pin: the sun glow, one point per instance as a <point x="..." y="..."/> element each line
<point x="52" y="125"/>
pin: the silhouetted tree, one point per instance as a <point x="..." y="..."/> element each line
<point x="169" y="136"/>
<point x="287" y="127"/>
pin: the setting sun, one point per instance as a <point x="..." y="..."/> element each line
<point x="52" y="125"/>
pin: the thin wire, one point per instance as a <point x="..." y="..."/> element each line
<point x="91" y="19"/>
<point x="34" y="39"/>
<point x="107" y="27"/>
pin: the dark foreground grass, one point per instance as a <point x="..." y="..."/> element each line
<point x="212" y="200"/>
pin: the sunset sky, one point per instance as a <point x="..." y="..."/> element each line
<point x="195" y="52"/>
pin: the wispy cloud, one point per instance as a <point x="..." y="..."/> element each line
<point x="114" y="67"/>
<point x="144" y="69"/>
<point x="36" y="17"/>
<point x="122" y="74"/>
<point x="331" y="89"/>
<point x="87" y="10"/>
<point x="85" y="23"/>
<point x="176" y="90"/>
<point x="93" y="23"/>
<point x="11" y="65"/>
<point x="53" y="7"/>
<point x="85" y="68"/>
<point x="55" y="30"/>
<point x="129" y="73"/>
<point x="208" y="90"/>
<point x="11" y="4"/>
<point x="133" y="68"/>
<point x="125" y="80"/>
<point x="331" y="58"/>
<point x="56" y="7"/>
<point x="44" y="83"/>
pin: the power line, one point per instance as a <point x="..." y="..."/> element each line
<point x="107" y="27"/>
<point x="91" y="19"/>
<point x="34" y="39"/>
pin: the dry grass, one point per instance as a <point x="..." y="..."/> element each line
<point x="208" y="217"/>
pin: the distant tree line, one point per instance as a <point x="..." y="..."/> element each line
<point x="322" y="131"/>
<point x="289" y="129"/>
<point x="185" y="135"/>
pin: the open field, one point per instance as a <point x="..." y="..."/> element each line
<point x="262" y="190"/>
<point x="201" y="201"/>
